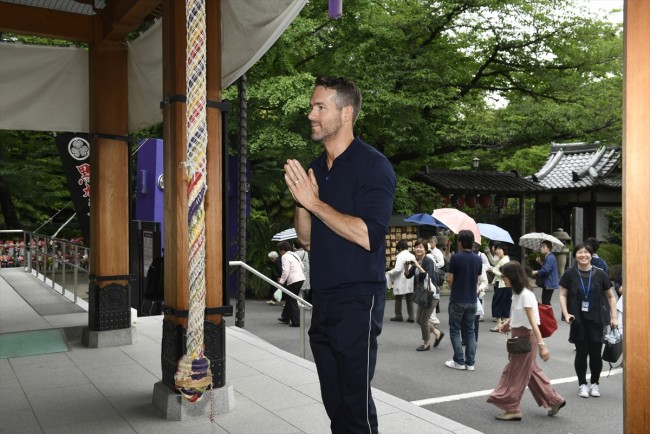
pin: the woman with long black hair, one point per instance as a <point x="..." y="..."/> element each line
<point x="522" y="370"/>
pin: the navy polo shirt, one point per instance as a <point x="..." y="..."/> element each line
<point x="361" y="183"/>
<point x="466" y="266"/>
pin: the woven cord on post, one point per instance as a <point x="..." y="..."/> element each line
<point x="193" y="376"/>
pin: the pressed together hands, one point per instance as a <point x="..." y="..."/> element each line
<point x="302" y="185"/>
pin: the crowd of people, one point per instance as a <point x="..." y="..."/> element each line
<point x="343" y="204"/>
<point x="587" y="300"/>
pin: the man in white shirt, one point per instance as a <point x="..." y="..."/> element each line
<point x="436" y="253"/>
<point x="402" y="287"/>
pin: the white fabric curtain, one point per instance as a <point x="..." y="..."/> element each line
<point x="46" y="88"/>
<point x="43" y="88"/>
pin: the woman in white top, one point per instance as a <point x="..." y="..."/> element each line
<point x="402" y="287"/>
<point x="522" y="370"/>
<point x="502" y="294"/>
<point x="293" y="276"/>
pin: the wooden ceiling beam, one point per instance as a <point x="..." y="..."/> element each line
<point x="46" y="23"/>
<point x="123" y="16"/>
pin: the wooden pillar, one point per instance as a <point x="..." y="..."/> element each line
<point x="109" y="161"/>
<point x="636" y="214"/>
<point x="176" y="225"/>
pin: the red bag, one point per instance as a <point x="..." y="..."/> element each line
<point x="547" y="322"/>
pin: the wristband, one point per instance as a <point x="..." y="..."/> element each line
<point x="541" y="344"/>
<point x="297" y="204"/>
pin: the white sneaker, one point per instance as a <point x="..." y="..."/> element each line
<point x="469" y="368"/>
<point x="453" y="365"/>
<point x="583" y="391"/>
<point x="593" y="390"/>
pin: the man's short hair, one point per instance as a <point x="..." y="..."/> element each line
<point x="466" y="238"/>
<point x="347" y="93"/>
<point x="284" y="246"/>
<point x="593" y="242"/>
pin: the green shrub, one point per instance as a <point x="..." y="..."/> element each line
<point x="531" y="261"/>
<point x="611" y="253"/>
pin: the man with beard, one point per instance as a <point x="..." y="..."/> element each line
<point x="343" y="207"/>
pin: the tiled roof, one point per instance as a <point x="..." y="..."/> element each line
<point x="459" y="181"/>
<point x="581" y="166"/>
<point x="61" y="5"/>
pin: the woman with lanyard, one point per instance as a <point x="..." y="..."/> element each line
<point x="588" y="304"/>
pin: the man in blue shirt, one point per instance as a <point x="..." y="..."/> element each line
<point x="344" y="204"/>
<point x="463" y="274"/>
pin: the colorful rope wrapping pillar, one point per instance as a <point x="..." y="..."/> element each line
<point x="193" y="376"/>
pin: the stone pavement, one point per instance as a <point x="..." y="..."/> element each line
<point x="110" y="390"/>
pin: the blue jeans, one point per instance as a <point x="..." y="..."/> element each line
<point x="462" y="315"/>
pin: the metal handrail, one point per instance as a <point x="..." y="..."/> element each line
<point x="37" y="246"/>
<point x="302" y="304"/>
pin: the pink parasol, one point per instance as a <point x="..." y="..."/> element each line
<point x="456" y="221"/>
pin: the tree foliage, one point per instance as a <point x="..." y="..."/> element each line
<point x="442" y="82"/>
<point x="32" y="182"/>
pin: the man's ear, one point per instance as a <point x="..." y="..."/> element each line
<point x="348" y="113"/>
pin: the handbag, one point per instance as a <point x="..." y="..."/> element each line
<point x="547" y="322"/>
<point x="423" y="296"/>
<point x="518" y="345"/>
<point x="613" y="346"/>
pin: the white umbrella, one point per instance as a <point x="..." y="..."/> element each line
<point x="534" y="240"/>
<point x="494" y="233"/>
<point x="287" y="234"/>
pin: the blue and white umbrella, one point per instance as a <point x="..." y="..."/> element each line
<point x="288" y="234"/>
<point x="494" y="233"/>
<point x="534" y="240"/>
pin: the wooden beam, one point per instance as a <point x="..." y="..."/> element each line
<point x="46" y="23"/>
<point x="214" y="211"/>
<point x="109" y="217"/>
<point x="123" y="16"/>
<point x="176" y="236"/>
<point x="636" y="215"/>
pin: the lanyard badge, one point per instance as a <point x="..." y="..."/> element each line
<point x="585" y="292"/>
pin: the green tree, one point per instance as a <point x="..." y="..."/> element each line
<point x="32" y="182"/>
<point x="442" y="82"/>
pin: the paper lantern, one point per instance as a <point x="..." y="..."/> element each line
<point x="485" y="200"/>
<point x="470" y="200"/>
<point x="457" y="200"/>
<point x="501" y="201"/>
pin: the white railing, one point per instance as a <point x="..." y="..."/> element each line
<point x="63" y="262"/>
<point x="302" y="304"/>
